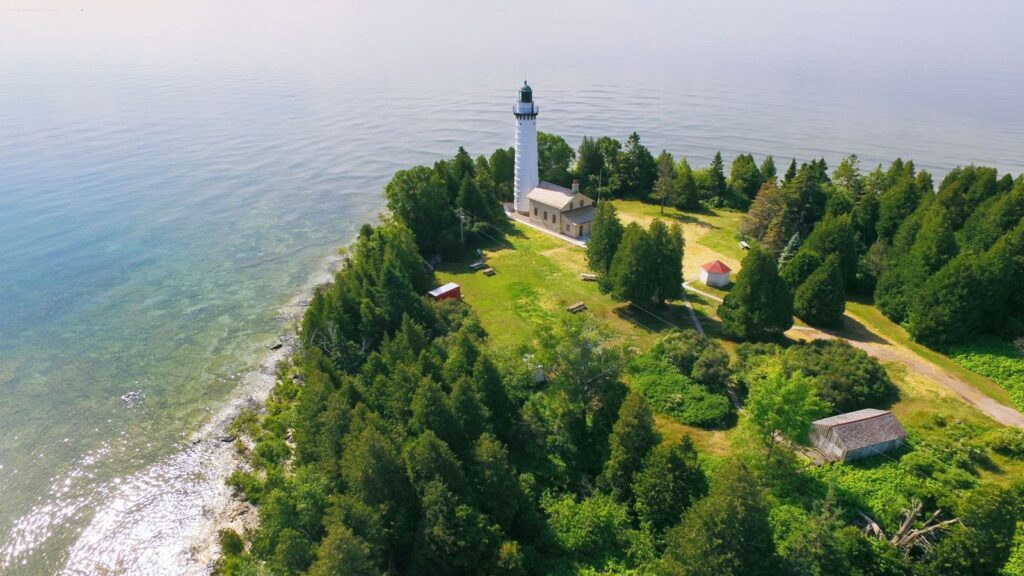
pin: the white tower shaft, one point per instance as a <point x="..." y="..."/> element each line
<point x="526" y="176"/>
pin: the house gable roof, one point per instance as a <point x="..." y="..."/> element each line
<point x="716" y="267"/>
<point x="553" y="195"/>
<point x="863" y="428"/>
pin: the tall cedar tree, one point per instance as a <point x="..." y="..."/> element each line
<point x="760" y="305"/>
<point x="790" y="172"/>
<point x="821" y="300"/>
<point x="667" y="250"/>
<point x="633" y="436"/>
<point x="605" y="236"/>
<point x="664" y="188"/>
<point x="796" y="272"/>
<point x="745" y="178"/>
<point x="726" y="533"/>
<point x="633" y="272"/>
<point x="687" y="193"/>
<point x="768" y="172"/>
<point x="639" y="170"/>
<point x="835" y="236"/>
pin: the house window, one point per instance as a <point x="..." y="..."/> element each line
<point x="545" y="215"/>
<point x="554" y="218"/>
<point x="534" y="210"/>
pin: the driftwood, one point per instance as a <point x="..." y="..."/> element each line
<point x="907" y="536"/>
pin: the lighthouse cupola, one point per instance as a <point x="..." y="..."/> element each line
<point x="526" y="173"/>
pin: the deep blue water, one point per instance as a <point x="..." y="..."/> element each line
<point x="172" y="174"/>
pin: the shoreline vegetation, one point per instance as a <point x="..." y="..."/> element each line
<point x="503" y="435"/>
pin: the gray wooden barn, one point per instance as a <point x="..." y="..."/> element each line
<point x="857" y="434"/>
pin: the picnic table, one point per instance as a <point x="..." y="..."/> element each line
<point x="577" y="307"/>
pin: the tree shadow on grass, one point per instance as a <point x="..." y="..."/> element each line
<point x="654" y="318"/>
<point x="854" y="330"/>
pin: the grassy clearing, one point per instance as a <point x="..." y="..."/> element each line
<point x="709" y="235"/>
<point x="875" y="321"/>
<point x="537" y="278"/>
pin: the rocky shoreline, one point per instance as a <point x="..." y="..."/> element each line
<point x="230" y="511"/>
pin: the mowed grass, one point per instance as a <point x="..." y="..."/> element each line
<point x="537" y="278"/>
<point x="874" y="320"/>
<point x="710" y="235"/>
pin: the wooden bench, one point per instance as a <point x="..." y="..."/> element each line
<point x="588" y="277"/>
<point x="489" y="272"/>
<point x="477" y="265"/>
<point x="577" y="307"/>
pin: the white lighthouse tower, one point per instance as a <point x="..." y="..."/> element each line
<point x="526" y="177"/>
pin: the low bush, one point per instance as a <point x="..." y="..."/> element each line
<point x="670" y="392"/>
<point x="1001" y="361"/>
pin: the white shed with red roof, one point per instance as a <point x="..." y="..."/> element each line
<point x="715" y="274"/>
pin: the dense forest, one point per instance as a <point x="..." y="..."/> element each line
<point x="399" y="441"/>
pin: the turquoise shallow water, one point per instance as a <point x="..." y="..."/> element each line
<point x="170" y="176"/>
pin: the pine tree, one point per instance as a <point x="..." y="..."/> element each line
<point x="717" y="188"/>
<point x="760" y="305"/>
<point x="633" y="436"/>
<point x="632" y="274"/>
<point x="790" y="172"/>
<point x="589" y="165"/>
<point x="605" y="236"/>
<point x="664" y="188"/>
<point x="821" y="300"/>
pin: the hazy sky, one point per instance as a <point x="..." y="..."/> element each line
<point x="452" y="36"/>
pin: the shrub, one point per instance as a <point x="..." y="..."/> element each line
<point x="996" y="359"/>
<point x="846" y="377"/>
<point x="679" y="397"/>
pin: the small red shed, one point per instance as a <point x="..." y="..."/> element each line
<point x="450" y="291"/>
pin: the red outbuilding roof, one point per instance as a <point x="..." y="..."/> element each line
<point x="716" y="267"/>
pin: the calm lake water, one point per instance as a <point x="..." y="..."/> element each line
<point x="173" y="173"/>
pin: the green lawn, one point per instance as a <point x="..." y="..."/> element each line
<point x="537" y="277"/>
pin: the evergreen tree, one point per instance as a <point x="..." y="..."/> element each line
<point x="639" y="170"/>
<point x="669" y="482"/>
<point x="605" y="235"/>
<point x="717" y="188"/>
<point x="768" y="220"/>
<point x="894" y="206"/>
<point x="800" y="268"/>
<point x="664" y="188"/>
<point x="633" y="436"/>
<point x="760" y="305"/>
<point x="847" y="177"/>
<point x="342" y="552"/>
<point x="768" y="172"/>
<point x="724" y="534"/>
<point x="835" y="235"/>
<point x="632" y="273"/>
<point x="821" y="300"/>
<point x="790" y="172"/>
<point x="745" y="179"/>
<point x="865" y="220"/>
<point x="687" y="193"/>
<point x="667" y="251"/>
<point x="419" y="199"/>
